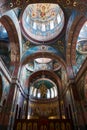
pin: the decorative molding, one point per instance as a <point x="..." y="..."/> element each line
<point x="71" y="4"/>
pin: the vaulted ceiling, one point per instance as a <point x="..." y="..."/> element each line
<point x="53" y="31"/>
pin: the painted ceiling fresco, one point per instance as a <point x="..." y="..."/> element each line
<point x="36" y="49"/>
<point x="42" y="22"/>
<point x="48" y="65"/>
<point x="47" y="83"/>
<point x="5" y="89"/>
<point x="43" y="88"/>
<point x="37" y="15"/>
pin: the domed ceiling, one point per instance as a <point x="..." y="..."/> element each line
<point x="42" y="22"/>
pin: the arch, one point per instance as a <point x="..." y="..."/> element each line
<point x="35" y="32"/>
<point x="9" y="21"/>
<point x="73" y="30"/>
<point x="48" y="73"/>
<point x="74" y="41"/>
<point x="38" y="54"/>
<point x="75" y="24"/>
<point x="41" y="54"/>
<point x="50" y="87"/>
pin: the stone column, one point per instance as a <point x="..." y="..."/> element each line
<point x="8" y="112"/>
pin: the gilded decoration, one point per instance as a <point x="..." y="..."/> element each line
<point x="70" y="3"/>
<point x="43" y="90"/>
<point x="44" y="109"/>
<point x="45" y="124"/>
<point x="18" y="125"/>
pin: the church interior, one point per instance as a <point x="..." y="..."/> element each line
<point x="43" y="65"/>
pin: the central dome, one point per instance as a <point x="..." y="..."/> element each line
<point x="42" y="22"/>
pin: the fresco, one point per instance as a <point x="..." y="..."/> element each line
<point x="4" y="45"/>
<point x="44" y="64"/>
<point x="44" y="109"/>
<point x="50" y="65"/>
<point x="79" y="61"/>
<point x="42" y="22"/>
<point x="43" y="89"/>
<point x="81" y="48"/>
<point x="64" y="78"/>
<point x="36" y="49"/>
<point x="5" y="89"/>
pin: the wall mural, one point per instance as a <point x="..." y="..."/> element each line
<point x="44" y="109"/>
<point x="5" y="89"/>
<point x="4" y="45"/>
<point x="64" y="78"/>
<point x="34" y="66"/>
<point x="81" y="48"/>
<point x="80" y="57"/>
<point x="43" y="89"/>
<point x="42" y="21"/>
<point x="24" y="77"/>
<point x="37" y="49"/>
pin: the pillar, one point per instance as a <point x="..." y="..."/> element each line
<point x="8" y="112"/>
